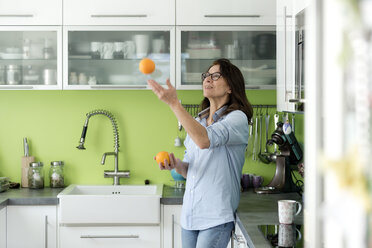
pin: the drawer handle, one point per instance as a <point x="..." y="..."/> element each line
<point x="16" y="15"/>
<point x="109" y="236"/>
<point x="114" y="16"/>
<point x="228" y="16"/>
<point x="118" y="86"/>
<point x="16" y="87"/>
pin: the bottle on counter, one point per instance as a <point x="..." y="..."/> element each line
<point x="56" y="175"/>
<point x="36" y="175"/>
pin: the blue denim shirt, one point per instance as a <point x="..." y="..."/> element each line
<point x="213" y="178"/>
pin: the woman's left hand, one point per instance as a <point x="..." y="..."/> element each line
<point x="169" y="96"/>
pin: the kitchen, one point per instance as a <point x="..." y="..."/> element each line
<point x="52" y="115"/>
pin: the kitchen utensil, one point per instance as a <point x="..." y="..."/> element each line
<point x="254" y="154"/>
<point x="25" y="162"/>
<point x="293" y="123"/>
<point x="265" y="157"/>
<point x="250" y="141"/>
<point x="276" y="120"/>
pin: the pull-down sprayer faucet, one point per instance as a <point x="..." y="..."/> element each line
<point x="116" y="174"/>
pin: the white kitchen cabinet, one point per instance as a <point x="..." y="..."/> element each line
<point x="92" y="61"/>
<point x="110" y="236"/>
<point x="3" y="227"/>
<point x="35" y="12"/>
<point x="250" y="48"/>
<point x="290" y="54"/>
<point x="30" y="57"/>
<point x="171" y="218"/>
<point x="220" y="12"/>
<point x="119" y="12"/>
<point x="37" y="226"/>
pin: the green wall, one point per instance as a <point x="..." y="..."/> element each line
<point x="53" y="121"/>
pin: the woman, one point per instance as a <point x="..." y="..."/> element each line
<point x="214" y="156"/>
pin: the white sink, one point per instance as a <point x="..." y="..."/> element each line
<point x="108" y="204"/>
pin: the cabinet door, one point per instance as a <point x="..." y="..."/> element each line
<point x="36" y="224"/>
<point x="3" y="227"/>
<point x="285" y="55"/>
<point x="172" y="226"/>
<point x="220" y="12"/>
<point x="35" y="12"/>
<point x="119" y="12"/>
<point x="108" y="236"/>
<point x="251" y="49"/>
<point x="31" y="57"/>
<point x="109" y="57"/>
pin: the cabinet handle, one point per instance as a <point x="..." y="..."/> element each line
<point x="46" y="231"/>
<point x="297" y="100"/>
<point x="285" y="53"/>
<point x="17" y="15"/>
<point x="16" y="87"/>
<point x="172" y="230"/>
<point x="109" y="236"/>
<point x="229" y="16"/>
<point x="113" y="87"/>
<point x="114" y="16"/>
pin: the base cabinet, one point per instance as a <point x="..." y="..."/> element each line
<point x="171" y="226"/>
<point x="3" y="228"/>
<point x="31" y="226"/>
<point x="110" y="236"/>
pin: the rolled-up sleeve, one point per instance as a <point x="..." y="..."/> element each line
<point x="232" y="130"/>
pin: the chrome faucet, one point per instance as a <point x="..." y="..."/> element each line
<point x="115" y="174"/>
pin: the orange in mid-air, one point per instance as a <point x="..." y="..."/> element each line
<point x="146" y="66"/>
<point x="161" y="156"/>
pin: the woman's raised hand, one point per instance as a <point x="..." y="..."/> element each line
<point x="169" y="96"/>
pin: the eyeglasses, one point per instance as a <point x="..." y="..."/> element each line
<point x="214" y="76"/>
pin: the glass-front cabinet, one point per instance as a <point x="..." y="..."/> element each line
<point x="30" y="57"/>
<point x="97" y="57"/>
<point x="251" y="48"/>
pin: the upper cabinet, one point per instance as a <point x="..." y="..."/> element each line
<point x="291" y="41"/>
<point x="108" y="57"/>
<point x="119" y="12"/>
<point x="220" y="12"/>
<point x="30" y="57"/>
<point x="250" y="48"/>
<point x="31" y="12"/>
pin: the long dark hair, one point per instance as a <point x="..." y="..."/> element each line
<point x="238" y="99"/>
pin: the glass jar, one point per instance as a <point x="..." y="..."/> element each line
<point x="36" y="175"/>
<point x="56" y="176"/>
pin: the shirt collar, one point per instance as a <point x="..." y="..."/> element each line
<point x="204" y="113"/>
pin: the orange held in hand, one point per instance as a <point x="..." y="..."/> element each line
<point x="161" y="156"/>
<point x="146" y="66"/>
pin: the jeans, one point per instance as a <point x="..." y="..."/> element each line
<point x="214" y="237"/>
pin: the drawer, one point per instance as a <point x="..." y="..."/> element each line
<point x="35" y="12"/>
<point x="217" y="12"/>
<point x="119" y="12"/>
<point x="109" y="236"/>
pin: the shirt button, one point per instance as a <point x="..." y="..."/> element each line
<point x="191" y="191"/>
<point x="193" y="176"/>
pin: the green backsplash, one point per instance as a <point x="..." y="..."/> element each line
<point x="53" y="121"/>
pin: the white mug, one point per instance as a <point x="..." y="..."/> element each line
<point x="142" y="44"/>
<point x="158" y="46"/>
<point x="108" y="50"/>
<point x="287" y="211"/>
<point x="129" y="49"/>
<point x="287" y="235"/>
